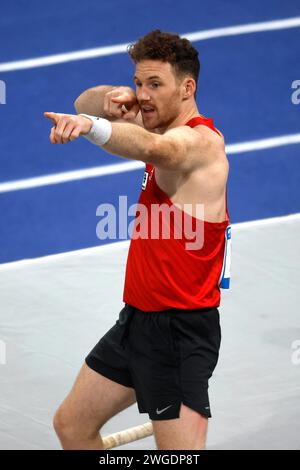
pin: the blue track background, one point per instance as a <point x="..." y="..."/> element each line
<point x="245" y="86"/>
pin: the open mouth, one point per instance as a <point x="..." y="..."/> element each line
<point x="148" y="109"/>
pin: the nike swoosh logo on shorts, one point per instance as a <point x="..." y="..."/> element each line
<point x="164" y="409"/>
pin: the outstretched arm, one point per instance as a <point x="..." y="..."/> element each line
<point x="181" y="148"/>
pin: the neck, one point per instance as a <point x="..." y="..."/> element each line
<point x="182" y="118"/>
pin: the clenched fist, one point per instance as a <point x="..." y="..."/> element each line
<point x="67" y="127"/>
<point x="119" y="103"/>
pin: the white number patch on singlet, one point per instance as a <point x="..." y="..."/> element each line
<point x="224" y="281"/>
<point x="145" y="180"/>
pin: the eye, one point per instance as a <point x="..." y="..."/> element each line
<point x="155" y="85"/>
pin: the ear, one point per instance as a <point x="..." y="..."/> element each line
<point x="189" y="87"/>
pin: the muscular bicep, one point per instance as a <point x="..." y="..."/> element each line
<point x="186" y="149"/>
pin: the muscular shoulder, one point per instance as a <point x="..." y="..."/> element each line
<point x="210" y="136"/>
<point x="199" y="135"/>
<point x="199" y="146"/>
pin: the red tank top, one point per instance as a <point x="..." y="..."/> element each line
<point x="162" y="273"/>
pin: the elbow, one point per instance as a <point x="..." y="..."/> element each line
<point x="81" y="104"/>
<point x="77" y="105"/>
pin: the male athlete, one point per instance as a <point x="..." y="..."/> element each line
<point x="164" y="346"/>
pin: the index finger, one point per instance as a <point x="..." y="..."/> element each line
<point x="53" y="116"/>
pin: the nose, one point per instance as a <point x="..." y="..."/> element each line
<point x="142" y="94"/>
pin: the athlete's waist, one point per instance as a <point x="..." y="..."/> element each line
<point x="169" y="311"/>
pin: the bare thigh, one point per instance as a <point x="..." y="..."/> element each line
<point x="188" y="432"/>
<point x="93" y="400"/>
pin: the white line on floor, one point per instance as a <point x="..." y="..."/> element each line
<point x="125" y="244"/>
<point x="105" y="170"/>
<point x="122" y="48"/>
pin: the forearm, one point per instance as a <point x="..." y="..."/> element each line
<point x="136" y="143"/>
<point x="91" y="101"/>
<point x="131" y="141"/>
<point x="124" y="139"/>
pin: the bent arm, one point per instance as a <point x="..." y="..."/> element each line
<point x="115" y="103"/>
<point x="91" y="101"/>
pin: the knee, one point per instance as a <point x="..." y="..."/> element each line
<point x="64" y="424"/>
<point x="70" y="428"/>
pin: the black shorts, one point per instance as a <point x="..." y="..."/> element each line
<point x="167" y="357"/>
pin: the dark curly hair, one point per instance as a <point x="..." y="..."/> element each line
<point x="167" y="47"/>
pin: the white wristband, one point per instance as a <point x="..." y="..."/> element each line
<point x="100" y="132"/>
